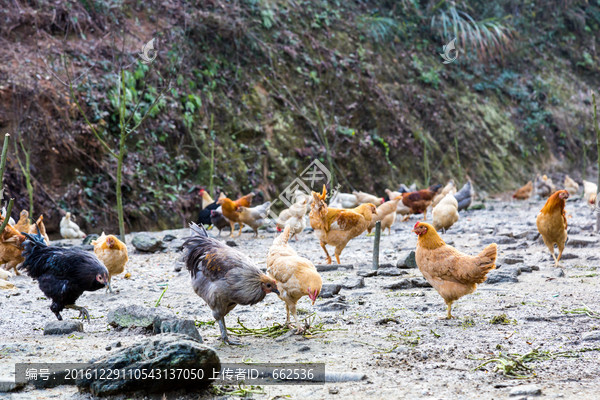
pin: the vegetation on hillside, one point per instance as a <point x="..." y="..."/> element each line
<point x="244" y="94"/>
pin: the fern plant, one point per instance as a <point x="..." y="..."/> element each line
<point x="486" y="38"/>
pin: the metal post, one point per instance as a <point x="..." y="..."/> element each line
<point x="376" y="245"/>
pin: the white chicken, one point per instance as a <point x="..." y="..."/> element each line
<point x="294" y="216"/>
<point x="590" y="189"/>
<point x="343" y="200"/>
<point x="445" y="214"/>
<point x="69" y="229"/>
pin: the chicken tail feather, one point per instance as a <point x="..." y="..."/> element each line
<point x="486" y="262"/>
<point x="283" y="238"/>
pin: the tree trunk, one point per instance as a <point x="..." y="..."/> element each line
<point x="598" y="148"/>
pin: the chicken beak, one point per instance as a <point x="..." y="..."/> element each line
<point x="275" y="290"/>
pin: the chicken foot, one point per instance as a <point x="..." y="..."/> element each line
<point x="83" y="313"/>
<point x="109" y="287"/>
<point x="326" y="253"/>
<point x="292" y="309"/>
<point x="224" y="336"/>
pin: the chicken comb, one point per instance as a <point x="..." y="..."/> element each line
<point x="418" y="222"/>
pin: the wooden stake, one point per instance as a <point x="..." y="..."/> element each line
<point x="376" y="245"/>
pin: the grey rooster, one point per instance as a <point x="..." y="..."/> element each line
<point x="224" y="277"/>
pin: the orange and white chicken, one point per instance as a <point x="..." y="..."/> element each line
<point x="590" y="190"/>
<point x="11" y="248"/>
<point x="386" y="213"/>
<point x="362" y="198"/>
<point x="335" y="226"/>
<point x="449" y="188"/>
<point x="69" y="229"/>
<point x="113" y="254"/>
<point x="294" y="217"/>
<point x="401" y="209"/>
<point x="296" y="276"/>
<point x="552" y="223"/>
<point x="571" y="186"/>
<point x="452" y="273"/>
<point x="445" y="214"/>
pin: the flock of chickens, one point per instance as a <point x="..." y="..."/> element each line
<point x="224" y="277"/>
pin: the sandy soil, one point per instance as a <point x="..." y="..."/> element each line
<point x="418" y="356"/>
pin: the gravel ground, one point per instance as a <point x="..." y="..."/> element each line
<point x="412" y="355"/>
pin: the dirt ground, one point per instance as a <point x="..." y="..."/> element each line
<point x="414" y="355"/>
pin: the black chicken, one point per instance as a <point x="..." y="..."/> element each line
<point x="205" y="211"/>
<point x="224" y="277"/>
<point x="62" y="274"/>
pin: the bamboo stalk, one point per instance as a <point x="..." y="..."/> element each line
<point x="598" y="147"/>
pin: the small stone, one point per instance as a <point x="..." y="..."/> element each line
<point x="333" y="267"/>
<point x="590" y="336"/>
<point x="146" y="243"/>
<point x="559" y="273"/>
<point x="108" y="348"/>
<point x="581" y="241"/>
<point x="135" y="316"/>
<point x="333" y="305"/>
<point x="420" y="283"/>
<point x="169" y="238"/>
<point x="303" y="349"/>
<point x="353" y="283"/>
<point x="408" y="261"/>
<point x="334" y="390"/>
<point x="525" y="390"/>
<point x="504" y="275"/>
<point x="329" y="290"/>
<point x="510" y="260"/>
<point x="178" y="266"/>
<point x="367" y="274"/>
<point x="175" y="325"/>
<point x="400" y="285"/>
<point x="62" y="327"/>
<point x="88" y="239"/>
<point x="391" y="272"/>
<point x="569" y="256"/>
<point x="231" y="243"/>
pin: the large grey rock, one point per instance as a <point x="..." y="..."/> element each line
<point x="329" y="290"/>
<point x="137" y="317"/>
<point x="503" y="275"/>
<point x="62" y="327"/>
<point x="176" y="325"/>
<point x="407" y="260"/>
<point x="391" y="272"/>
<point x="146" y="243"/>
<point x="333" y="305"/>
<point x="162" y="352"/>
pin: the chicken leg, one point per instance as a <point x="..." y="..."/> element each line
<point x="326" y="252"/>
<point x="224" y="336"/>
<point x="83" y="313"/>
<point x="449" y="314"/>
<point x="291" y="308"/>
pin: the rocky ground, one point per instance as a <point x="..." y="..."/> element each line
<point x="385" y="326"/>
